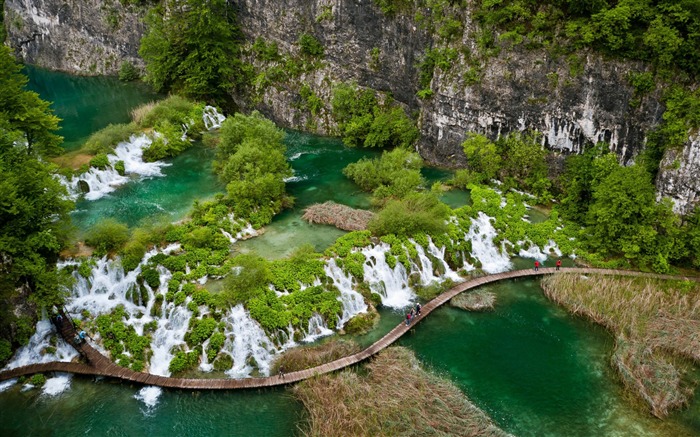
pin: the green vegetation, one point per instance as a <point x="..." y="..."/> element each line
<point x="416" y="213"/>
<point x="128" y="349"/>
<point x="310" y="46"/>
<point x="37" y="380"/>
<point x="192" y="48"/>
<point x="33" y="206"/>
<point x="394" y="175"/>
<point x="392" y="395"/>
<point x="100" y="161"/>
<point x="652" y="320"/>
<point x="108" y="235"/>
<point x="128" y="73"/>
<point x="250" y="161"/>
<point x="104" y="140"/>
<point x="364" y="121"/>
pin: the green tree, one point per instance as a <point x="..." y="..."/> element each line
<point x="394" y="174"/>
<point x="416" y="213"/>
<point x="191" y="47"/>
<point x="482" y="157"/>
<point x="24" y="111"/>
<point x="250" y="279"/>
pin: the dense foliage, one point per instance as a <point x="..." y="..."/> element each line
<point x="364" y="121"/>
<point x="191" y="47"/>
<point x="250" y="161"/>
<point x="415" y="213"/>
<point x="33" y="205"/>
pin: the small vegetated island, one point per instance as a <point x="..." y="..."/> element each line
<point x="175" y="299"/>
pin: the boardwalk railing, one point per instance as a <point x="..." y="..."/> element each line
<point x="103" y="366"/>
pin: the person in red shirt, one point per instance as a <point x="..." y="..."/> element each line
<point x="558" y="264"/>
<point x="537" y="265"/>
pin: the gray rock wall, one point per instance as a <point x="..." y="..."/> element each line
<point x="679" y="176"/>
<point x="88" y="37"/>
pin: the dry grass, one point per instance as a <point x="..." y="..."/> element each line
<point x="478" y="300"/>
<point x="653" y="321"/>
<point x="72" y="160"/>
<point x="396" y="397"/>
<point x="301" y="358"/>
<point x="138" y="114"/>
<point x="341" y="216"/>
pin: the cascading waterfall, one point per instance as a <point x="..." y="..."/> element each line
<point x="353" y="303"/>
<point x="390" y="284"/>
<point x="246" y="342"/>
<point x="317" y="329"/>
<point x="35" y="351"/>
<point x="439" y="255"/>
<point x="103" y="182"/>
<point x="481" y="234"/>
<point x="211" y="117"/>
<point x="534" y="252"/>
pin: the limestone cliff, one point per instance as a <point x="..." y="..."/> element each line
<point x="571" y="100"/>
<point x="78" y="36"/>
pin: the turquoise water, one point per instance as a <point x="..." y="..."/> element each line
<point x="87" y="104"/>
<point x="106" y="408"/>
<point x="533" y="368"/>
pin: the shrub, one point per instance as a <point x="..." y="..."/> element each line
<point x="108" y="235"/>
<point x="100" y="161"/>
<point x="5" y="350"/>
<point x="104" y="140"/>
<point x="127" y="72"/>
<point x="395" y="174"/>
<point x="119" y="167"/>
<point x="37" y="380"/>
<point x="416" y="213"/>
<point x="310" y="46"/>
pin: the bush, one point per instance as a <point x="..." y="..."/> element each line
<point x="104" y="140"/>
<point x="100" y="161"/>
<point x="127" y="72"/>
<point x="395" y="174"/>
<point x="108" y="235"/>
<point x="5" y="351"/>
<point x="119" y="167"/>
<point x="250" y="280"/>
<point x="37" y="380"/>
<point x="417" y="213"/>
<point x="310" y="46"/>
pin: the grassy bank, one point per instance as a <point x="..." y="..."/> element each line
<point x="306" y="357"/>
<point x="656" y="324"/>
<point x="477" y="300"/>
<point x="394" y="397"/>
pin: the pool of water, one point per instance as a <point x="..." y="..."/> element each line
<point x="87" y="104"/>
<point x="535" y="369"/>
<point x="107" y="408"/>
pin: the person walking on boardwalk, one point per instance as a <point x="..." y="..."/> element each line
<point x="408" y="319"/>
<point x="418" y="307"/>
<point x="281" y="372"/>
<point x="537" y="265"/>
<point x="558" y="264"/>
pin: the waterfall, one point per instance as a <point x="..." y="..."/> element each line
<point x="425" y="269"/>
<point x="534" y="251"/>
<point x="56" y="385"/>
<point x="439" y="255"/>
<point x="481" y="233"/>
<point x="34" y="352"/>
<point x="205" y="365"/>
<point x="317" y="329"/>
<point x="211" y="117"/>
<point x="352" y="302"/>
<point x="390" y="284"/>
<point x="103" y="182"/>
<point x="247" y="344"/>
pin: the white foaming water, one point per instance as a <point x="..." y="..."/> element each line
<point x="56" y="385"/>
<point x="172" y="327"/>
<point x="34" y="352"/>
<point x="317" y="329"/>
<point x="246" y="232"/>
<point x="211" y="117"/>
<point x="149" y="396"/>
<point x="481" y="233"/>
<point x="246" y="342"/>
<point x="205" y="365"/>
<point x="352" y="302"/>
<point x="534" y="251"/>
<point x="103" y="182"/>
<point x="4" y="385"/>
<point x="390" y="284"/>
<point x="439" y="255"/>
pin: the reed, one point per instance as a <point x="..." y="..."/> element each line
<point x="341" y="216"/>
<point x="306" y="357"/>
<point x="394" y="397"/>
<point x="656" y="324"/>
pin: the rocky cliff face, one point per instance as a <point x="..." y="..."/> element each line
<point x="571" y="101"/>
<point x="78" y="36"/>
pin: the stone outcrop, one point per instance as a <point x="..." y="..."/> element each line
<point x="87" y="37"/>
<point x="679" y="176"/>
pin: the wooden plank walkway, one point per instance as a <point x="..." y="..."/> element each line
<point x="103" y="366"/>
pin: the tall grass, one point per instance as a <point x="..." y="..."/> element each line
<point x="478" y="300"/>
<point x="396" y="397"/>
<point x="656" y="324"/>
<point x="104" y="140"/>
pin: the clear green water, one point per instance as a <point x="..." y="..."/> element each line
<point x="106" y="408"/>
<point x="536" y="370"/>
<point x="87" y="104"/>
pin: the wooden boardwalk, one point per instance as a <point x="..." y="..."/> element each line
<point x="103" y="366"/>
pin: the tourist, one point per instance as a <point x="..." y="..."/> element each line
<point x="558" y="264"/>
<point x="408" y="319"/>
<point x="281" y="372"/>
<point x="413" y="314"/>
<point x="59" y="320"/>
<point x="537" y="265"/>
<point x="418" y="307"/>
